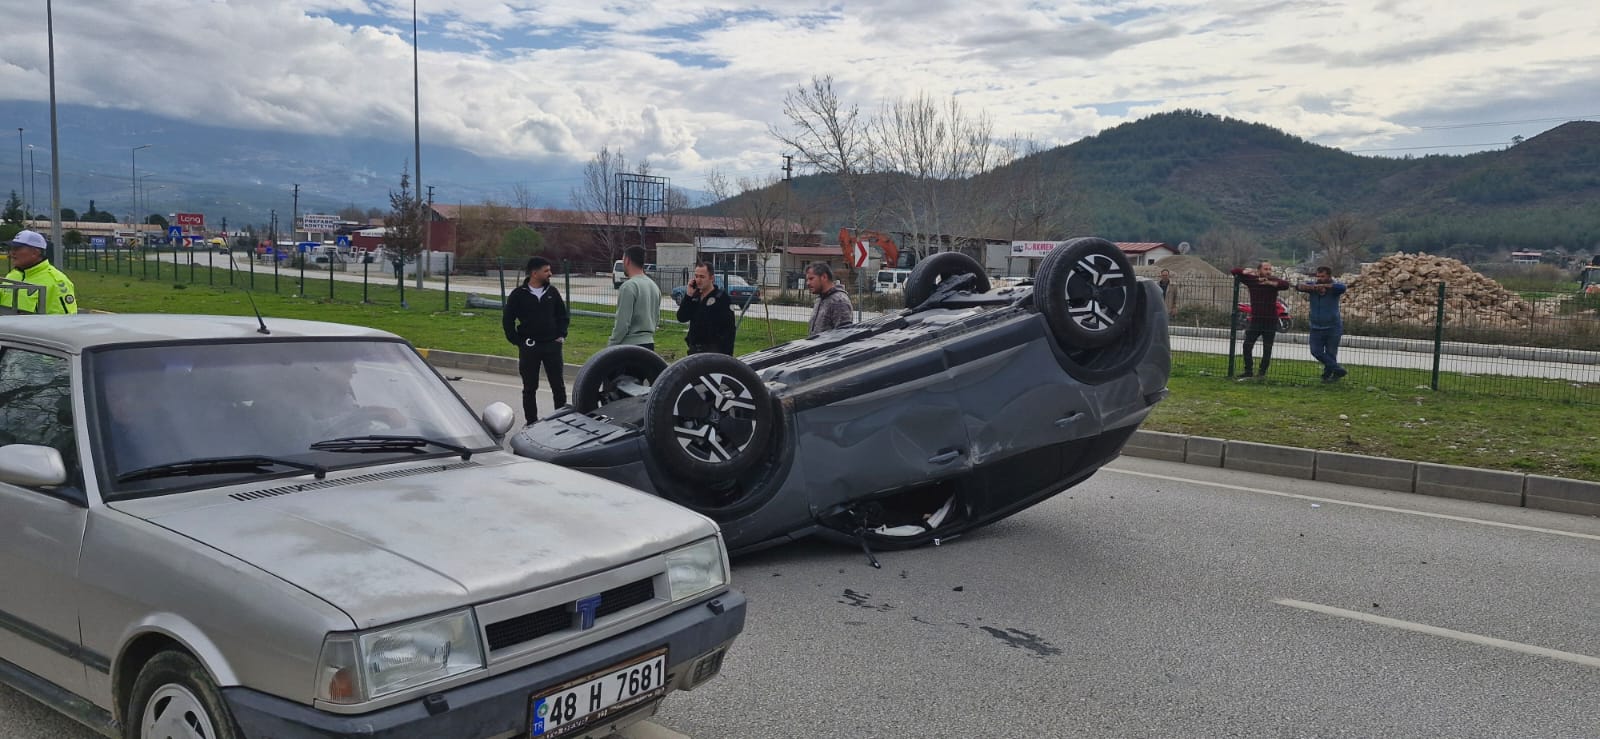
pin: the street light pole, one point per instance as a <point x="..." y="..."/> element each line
<point x="416" y="123"/>
<point x="33" y="187"/>
<point x="57" y="249"/>
<point x="133" y="182"/>
<point x="20" y="174"/>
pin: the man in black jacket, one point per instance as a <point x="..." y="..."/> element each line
<point x="536" y="321"/>
<point x="709" y="312"/>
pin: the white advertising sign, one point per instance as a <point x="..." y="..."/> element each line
<point x="318" y="223"/>
<point x="1033" y="249"/>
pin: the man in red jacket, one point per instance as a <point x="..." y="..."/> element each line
<point x="1264" y="289"/>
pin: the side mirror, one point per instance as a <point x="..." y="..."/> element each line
<point x="32" y="466"/>
<point x="499" y="417"/>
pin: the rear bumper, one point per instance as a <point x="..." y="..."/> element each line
<point x="499" y="705"/>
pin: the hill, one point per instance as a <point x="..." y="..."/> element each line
<point x="1175" y="176"/>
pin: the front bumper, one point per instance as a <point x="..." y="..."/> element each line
<point x="499" y="705"/>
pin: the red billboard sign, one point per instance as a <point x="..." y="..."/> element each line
<point x="191" y="219"/>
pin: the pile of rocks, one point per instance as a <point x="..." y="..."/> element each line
<point x="1405" y="288"/>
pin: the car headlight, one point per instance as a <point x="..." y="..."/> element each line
<point x="697" y="568"/>
<point x="362" y="666"/>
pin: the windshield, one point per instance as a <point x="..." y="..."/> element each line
<point x="158" y="407"/>
<point x="737" y="281"/>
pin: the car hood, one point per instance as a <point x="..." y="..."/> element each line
<point x="430" y="538"/>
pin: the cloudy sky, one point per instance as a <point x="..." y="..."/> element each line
<point x="694" y="84"/>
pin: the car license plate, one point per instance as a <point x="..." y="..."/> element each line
<point x="581" y="702"/>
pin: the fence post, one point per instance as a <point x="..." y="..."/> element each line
<point x="447" y="281"/>
<point x="365" y="265"/>
<point x="566" y="275"/>
<point x="1438" y="337"/>
<point x="1233" y="327"/>
<point x="302" y="290"/>
<point x="211" y="266"/>
<point x="275" y="261"/>
<point x="252" y="269"/>
<point x="330" y="277"/>
<point x="144" y="265"/>
<point x="191" y="264"/>
<point x="231" y="266"/>
<point x="500" y="266"/>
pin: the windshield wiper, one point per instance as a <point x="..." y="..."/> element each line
<point x="381" y="443"/>
<point x="218" y="466"/>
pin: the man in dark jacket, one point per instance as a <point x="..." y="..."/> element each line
<point x="1264" y="289"/>
<point x="709" y="313"/>
<point x="536" y="320"/>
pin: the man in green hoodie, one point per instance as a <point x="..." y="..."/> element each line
<point x="638" y="304"/>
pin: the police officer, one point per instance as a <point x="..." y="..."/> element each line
<point x="28" y="264"/>
<point x="709" y="313"/>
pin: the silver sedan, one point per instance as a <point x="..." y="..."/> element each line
<point x="222" y="527"/>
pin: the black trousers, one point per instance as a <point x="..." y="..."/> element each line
<point x="530" y="359"/>
<point x="1266" y="330"/>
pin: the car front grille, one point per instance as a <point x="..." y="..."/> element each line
<point x="556" y="619"/>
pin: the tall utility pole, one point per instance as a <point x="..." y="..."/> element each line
<point x="21" y="175"/>
<point x="133" y="181"/>
<point x="788" y="184"/>
<point x="427" y="229"/>
<point x="58" y="253"/>
<point x="33" y="187"/>
<point x="416" y="122"/>
<point x="294" y="217"/>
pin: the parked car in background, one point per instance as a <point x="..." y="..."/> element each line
<point x="222" y="527"/>
<point x="618" y="275"/>
<point x="742" y="292"/>
<point x="892" y="279"/>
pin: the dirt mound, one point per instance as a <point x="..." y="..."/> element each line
<point x="1405" y="288"/>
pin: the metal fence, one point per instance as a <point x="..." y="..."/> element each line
<point x="1436" y="344"/>
<point x="1422" y="338"/>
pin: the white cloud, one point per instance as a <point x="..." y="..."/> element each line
<point x="694" y="84"/>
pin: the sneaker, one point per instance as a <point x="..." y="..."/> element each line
<point x="1341" y="372"/>
<point x="1246" y="378"/>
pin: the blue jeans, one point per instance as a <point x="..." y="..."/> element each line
<point x="1325" y="348"/>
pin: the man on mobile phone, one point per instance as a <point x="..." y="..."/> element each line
<point x="709" y="313"/>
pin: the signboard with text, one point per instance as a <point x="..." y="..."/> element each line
<point x="318" y="223"/>
<point x="196" y="220"/>
<point x="1033" y="249"/>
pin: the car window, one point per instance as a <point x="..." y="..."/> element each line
<point x="36" y="405"/>
<point x="158" y="405"/>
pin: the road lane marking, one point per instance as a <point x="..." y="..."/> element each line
<point x="1369" y="506"/>
<point x="1487" y="641"/>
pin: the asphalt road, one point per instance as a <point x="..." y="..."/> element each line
<point x="1159" y="599"/>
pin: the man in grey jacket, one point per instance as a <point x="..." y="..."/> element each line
<point x="833" y="305"/>
<point x="638" y="304"/>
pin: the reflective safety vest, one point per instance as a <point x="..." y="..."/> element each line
<point x="60" y="295"/>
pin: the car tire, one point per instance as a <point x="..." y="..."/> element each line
<point x="709" y="417"/>
<point x="1115" y="360"/>
<point x="597" y="380"/>
<point x="1087" y="290"/>
<point x="174" y="696"/>
<point x="931" y="272"/>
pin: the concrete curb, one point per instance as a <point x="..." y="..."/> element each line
<point x="1468" y="483"/>
<point x="1425" y="478"/>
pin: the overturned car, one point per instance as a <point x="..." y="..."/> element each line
<point x="965" y="407"/>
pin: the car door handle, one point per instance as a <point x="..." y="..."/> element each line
<point x="1064" y="422"/>
<point x="945" y="457"/>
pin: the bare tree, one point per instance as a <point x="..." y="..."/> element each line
<point x="481" y="229"/>
<point x="1023" y="197"/>
<point x="598" y="196"/>
<point x="831" y="138"/>
<point x="1341" y="238"/>
<point x="933" y="150"/>
<point x="1226" y="247"/>
<point x="524" y="200"/>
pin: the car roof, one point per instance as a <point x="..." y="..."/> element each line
<point x="75" y="333"/>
